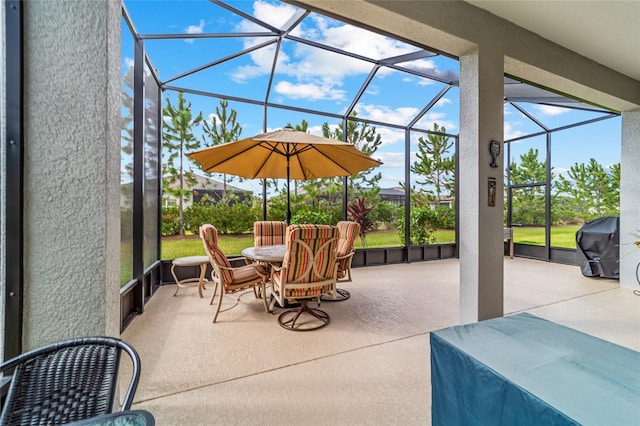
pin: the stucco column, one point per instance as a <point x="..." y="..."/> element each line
<point x="630" y="200"/>
<point x="481" y="235"/>
<point x="71" y="170"/>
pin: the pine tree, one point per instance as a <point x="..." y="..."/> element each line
<point x="367" y="140"/>
<point x="436" y="164"/>
<point x="593" y="192"/>
<point x="528" y="202"/>
<point x="178" y="138"/>
<point x="223" y="128"/>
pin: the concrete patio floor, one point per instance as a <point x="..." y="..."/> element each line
<point x="369" y="366"/>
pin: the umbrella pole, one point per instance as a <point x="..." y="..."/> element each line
<point x="264" y="199"/>
<point x="288" y="196"/>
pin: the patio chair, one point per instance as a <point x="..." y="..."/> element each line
<point x="67" y="381"/>
<point x="269" y="232"/>
<point x="348" y="231"/>
<point x="227" y="279"/>
<point x="308" y="272"/>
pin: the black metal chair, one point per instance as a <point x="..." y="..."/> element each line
<point x="67" y="381"/>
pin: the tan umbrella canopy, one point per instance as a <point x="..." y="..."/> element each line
<point x="285" y="154"/>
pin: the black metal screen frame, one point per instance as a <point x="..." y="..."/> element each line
<point x="509" y="187"/>
<point x="136" y="292"/>
<point x="14" y="180"/>
<point x="276" y="36"/>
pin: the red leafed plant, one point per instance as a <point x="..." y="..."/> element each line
<point x="358" y="212"/>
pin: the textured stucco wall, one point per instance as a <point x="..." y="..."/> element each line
<point x="481" y="117"/>
<point x="630" y="200"/>
<point x="72" y="158"/>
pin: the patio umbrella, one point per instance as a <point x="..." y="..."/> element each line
<point x="284" y="154"/>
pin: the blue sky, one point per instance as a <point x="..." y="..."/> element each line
<point x="307" y="77"/>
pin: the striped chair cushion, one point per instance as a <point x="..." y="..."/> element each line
<point x="209" y="236"/>
<point x="307" y="292"/>
<point x="246" y="273"/>
<point x="268" y="233"/>
<point x="348" y="231"/>
<point x="299" y="258"/>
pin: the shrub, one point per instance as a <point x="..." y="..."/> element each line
<point x="334" y="213"/>
<point x="228" y="218"/>
<point x="422" y="219"/>
<point x="315" y="217"/>
<point x="196" y="215"/>
<point x="242" y="217"/>
<point x="445" y="218"/>
<point x="170" y="221"/>
<point x="359" y="212"/>
<point x="386" y="213"/>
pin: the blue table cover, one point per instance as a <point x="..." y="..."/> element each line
<point x="525" y="370"/>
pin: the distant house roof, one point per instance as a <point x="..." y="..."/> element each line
<point x="384" y="192"/>
<point x="397" y="191"/>
<point x="203" y="182"/>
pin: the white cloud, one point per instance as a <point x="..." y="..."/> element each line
<point x="274" y="15"/>
<point x="305" y="72"/>
<point x="315" y="130"/>
<point x="209" y="118"/>
<point x="401" y="115"/>
<point x="311" y="62"/>
<point x="442" y="102"/>
<point x="309" y="91"/>
<point x="429" y="67"/>
<point x="425" y="82"/>
<point x="246" y="72"/>
<point x="420" y="81"/>
<point x="438" y="118"/>
<point x="391" y="159"/>
<point x="357" y="40"/>
<point x="389" y="136"/>
<point x="307" y="64"/>
<point x="551" y="110"/>
<point x="372" y="90"/>
<point x="194" y="29"/>
<point x="311" y="65"/>
<point x="510" y="132"/>
<point x="262" y="60"/>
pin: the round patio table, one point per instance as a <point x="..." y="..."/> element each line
<point x="268" y="254"/>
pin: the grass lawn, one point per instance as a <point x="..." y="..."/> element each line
<point x="190" y="245"/>
<point x="126" y="262"/>
<point x="561" y="236"/>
